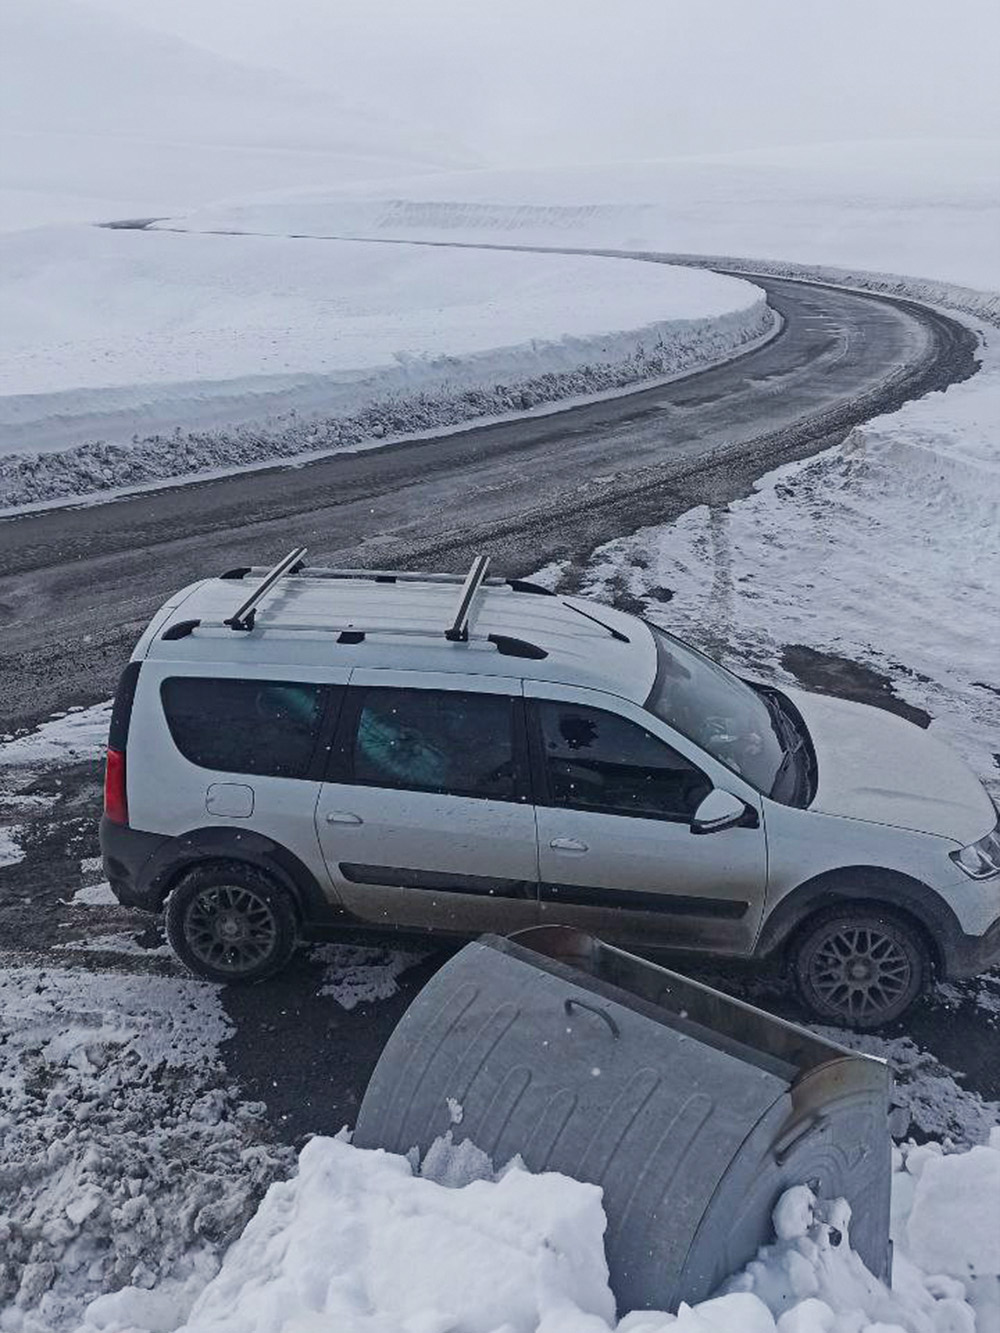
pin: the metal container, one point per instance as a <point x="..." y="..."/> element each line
<point x="692" y="1110"/>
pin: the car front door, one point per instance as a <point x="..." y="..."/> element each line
<point x="426" y="820"/>
<point x="617" y="852"/>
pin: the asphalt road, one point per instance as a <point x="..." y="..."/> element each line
<point x="78" y="585"/>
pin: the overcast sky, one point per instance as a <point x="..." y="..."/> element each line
<point x="531" y="81"/>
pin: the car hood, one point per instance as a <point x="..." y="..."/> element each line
<point x="873" y="765"/>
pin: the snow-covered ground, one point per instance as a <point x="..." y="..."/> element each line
<point x="925" y="208"/>
<point x="126" y="1156"/>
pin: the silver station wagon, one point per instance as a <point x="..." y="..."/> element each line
<point x="300" y="753"/>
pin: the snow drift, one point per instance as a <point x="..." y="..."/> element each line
<point x="136" y="357"/>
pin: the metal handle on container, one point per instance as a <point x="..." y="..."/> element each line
<point x="784" y="1148"/>
<point x="570" y="1004"/>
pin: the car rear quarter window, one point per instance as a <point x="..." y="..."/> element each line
<point x="265" y="727"/>
<point x="445" y="741"/>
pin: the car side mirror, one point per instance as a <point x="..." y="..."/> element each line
<point x="721" y="810"/>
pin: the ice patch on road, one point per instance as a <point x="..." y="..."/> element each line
<point x="11" y="851"/>
<point x="66" y="738"/>
<point x="95" y="895"/>
<point x="121" y="942"/>
<point x="354" y="974"/>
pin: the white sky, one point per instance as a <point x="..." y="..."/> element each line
<point x="531" y="81"/>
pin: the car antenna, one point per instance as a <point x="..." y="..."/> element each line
<point x="615" y="633"/>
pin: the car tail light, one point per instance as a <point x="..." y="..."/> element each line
<point x="115" y="799"/>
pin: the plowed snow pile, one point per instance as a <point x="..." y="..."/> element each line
<point x="126" y="1160"/>
<point x="128" y="357"/>
<point x="360" y="1242"/>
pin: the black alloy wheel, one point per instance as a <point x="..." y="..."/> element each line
<point x="230" y="922"/>
<point x="860" y="967"/>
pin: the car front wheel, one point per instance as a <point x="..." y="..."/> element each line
<point x="859" y="966"/>
<point x="230" y="922"/>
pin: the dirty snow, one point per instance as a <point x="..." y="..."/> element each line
<point x="127" y="1159"/>
<point x="359" y="1241"/>
<point x="95" y="895"/>
<point x="356" y="974"/>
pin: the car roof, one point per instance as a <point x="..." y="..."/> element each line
<point x="404" y="627"/>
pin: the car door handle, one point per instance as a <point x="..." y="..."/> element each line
<point x="568" y="845"/>
<point x="343" y="817"/>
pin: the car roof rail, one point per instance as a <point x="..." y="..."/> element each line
<point x="320" y="572"/>
<point x="353" y="632"/>
<point x="244" y="616"/>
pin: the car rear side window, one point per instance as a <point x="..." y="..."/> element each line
<point x="456" y="743"/>
<point x="595" y="760"/>
<point x="265" y="727"/>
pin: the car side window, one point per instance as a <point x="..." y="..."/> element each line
<point x="263" y="727"/>
<point x="445" y="741"/>
<point x="595" y="760"/>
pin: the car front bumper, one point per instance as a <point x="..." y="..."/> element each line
<point x="967" y="955"/>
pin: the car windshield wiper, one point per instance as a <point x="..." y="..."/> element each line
<point x="793" y="743"/>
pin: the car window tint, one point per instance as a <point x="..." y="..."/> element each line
<point x="596" y="760"/>
<point x="437" y="741"/>
<point x="264" y="727"/>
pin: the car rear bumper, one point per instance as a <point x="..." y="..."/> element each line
<point x="128" y="856"/>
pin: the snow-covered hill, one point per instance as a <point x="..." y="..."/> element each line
<point x="100" y="116"/>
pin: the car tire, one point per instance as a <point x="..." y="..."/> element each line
<point x="229" y="922"/>
<point x="859" y="966"/>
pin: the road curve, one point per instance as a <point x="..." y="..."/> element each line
<point x="77" y="585"/>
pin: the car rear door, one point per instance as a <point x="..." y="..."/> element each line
<point x="217" y="748"/>
<point x="615" y="792"/>
<point x="425" y="821"/>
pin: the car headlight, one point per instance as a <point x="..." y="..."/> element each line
<point x="980" y="859"/>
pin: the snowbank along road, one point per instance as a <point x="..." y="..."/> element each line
<point x="79" y="584"/>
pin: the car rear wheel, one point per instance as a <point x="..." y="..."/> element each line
<point x="230" y="922"/>
<point x="859" y="966"/>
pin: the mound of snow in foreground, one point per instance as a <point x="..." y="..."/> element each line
<point x="358" y="1242"/>
<point x="120" y="344"/>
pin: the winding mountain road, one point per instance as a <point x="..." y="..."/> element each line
<point x="77" y="585"/>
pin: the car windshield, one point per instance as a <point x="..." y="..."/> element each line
<point x="719" y="712"/>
